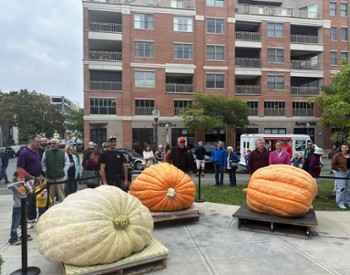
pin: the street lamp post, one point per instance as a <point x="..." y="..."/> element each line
<point x="156" y="114"/>
<point x="167" y="133"/>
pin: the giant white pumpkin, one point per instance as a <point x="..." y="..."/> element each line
<point x="94" y="226"/>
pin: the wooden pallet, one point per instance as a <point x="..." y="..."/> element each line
<point x="189" y="214"/>
<point x="152" y="258"/>
<point x="249" y="220"/>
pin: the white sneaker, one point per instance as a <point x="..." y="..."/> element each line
<point x="33" y="221"/>
<point x="342" y="206"/>
<point x="29" y="225"/>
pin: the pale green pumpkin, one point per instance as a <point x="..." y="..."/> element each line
<point x="94" y="226"/>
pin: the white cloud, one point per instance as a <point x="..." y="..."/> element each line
<point x="41" y="47"/>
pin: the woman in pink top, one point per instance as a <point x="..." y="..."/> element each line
<point x="279" y="156"/>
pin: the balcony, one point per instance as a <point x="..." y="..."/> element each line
<point x="105" y="27"/>
<point x="274" y="112"/>
<point x="304" y="91"/>
<point x="253" y="112"/>
<point x="248" y="62"/>
<point x="179" y="88"/>
<point x="97" y="85"/>
<point x="304" y="65"/>
<point x="176" y="4"/>
<point x="178" y="110"/>
<point x="304" y="39"/>
<point x="303" y="112"/>
<point x="248" y="36"/>
<point x="274" y="11"/>
<point x="248" y="89"/>
<point x="105" y="55"/>
<point x="143" y="111"/>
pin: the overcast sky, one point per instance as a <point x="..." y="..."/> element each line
<point x="41" y="47"/>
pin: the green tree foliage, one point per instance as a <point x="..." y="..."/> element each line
<point x="76" y="121"/>
<point x="334" y="102"/>
<point x="31" y="112"/>
<point x="215" y="112"/>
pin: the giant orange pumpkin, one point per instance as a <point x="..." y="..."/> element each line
<point x="164" y="187"/>
<point x="281" y="190"/>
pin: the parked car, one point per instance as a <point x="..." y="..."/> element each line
<point x="9" y="151"/>
<point x="137" y="159"/>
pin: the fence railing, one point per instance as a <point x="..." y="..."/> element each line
<point x="304" y="65"/>
<point x="248" y="89"/>
<point x="176" y="4"/>
<point x="304" y="39"/>
<point x="248" y="62"/>
<point x="105" y="27"/>
<point x="105" y="55"/>
<point x="98" y="85"/>
<point x="248" y="36"/>
<point x="179" y="88"/>
<point x="304" y="91"/>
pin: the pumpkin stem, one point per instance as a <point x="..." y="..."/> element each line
<point x="171" y="192"/>
<point x="121" y="221"/>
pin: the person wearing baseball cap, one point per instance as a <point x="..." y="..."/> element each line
<point x="181" y="156"/>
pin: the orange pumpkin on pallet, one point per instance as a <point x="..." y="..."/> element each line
<point x="281" y="190"/>
<point x="164" y="187"/>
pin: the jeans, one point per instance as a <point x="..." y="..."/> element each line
<point x="232" y="177"/>
<point x="219" y="172"/>
<point x="16" y="221"/>
<point x="342" y="188"/>
<point x="4" y="174"/>
<point x="70" y="186"/>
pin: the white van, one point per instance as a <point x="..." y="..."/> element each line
<point x="299" y="143"/>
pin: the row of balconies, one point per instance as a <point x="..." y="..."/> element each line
<point x="116" y="86"/>
<point x="147" y="111"/>
<point x="294" y="38"/>
<point x="176" y="4"/>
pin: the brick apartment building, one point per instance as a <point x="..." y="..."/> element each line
<point x="140" y="54"/>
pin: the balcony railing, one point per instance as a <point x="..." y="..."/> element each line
<point x="274" y="112"/>
<point x="177" y="4"/>
<point x="303" y="112"/>
<point x="105" y="55"/>
<point x="248" y="36"/>
<point x="304" y="65"/>
<point x="97" y="85"/>
<point x="179" y="88"/>
<point x="253" y="112"/>
<point x="178" y="110"/>
<point x="274" y="11"/>
<point x="105" y="27"/>
<point x="248" y="62"/>
<point x="304" y="39"/>
<point x="304" y="91"/>
<point x="248" y="89"/>
<point x="143" y="111"/>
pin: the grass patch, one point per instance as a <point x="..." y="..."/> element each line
<point x="236" y="196"/>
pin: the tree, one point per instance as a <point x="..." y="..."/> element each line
<point x="334" y="102"/>
<point x="76" y="121"/>
<point x="31" y="112"/>
<point x="215" y="112"/>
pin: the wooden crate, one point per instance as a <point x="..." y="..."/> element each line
<point x="189" y="214"/>
<point x="152" y="258"/>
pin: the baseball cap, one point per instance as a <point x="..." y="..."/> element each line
<point x="181" y="139"/>
<point x="319" y="151"/>
<point x="112" y="137"/>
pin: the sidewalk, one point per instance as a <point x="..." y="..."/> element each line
<point x="214" y="245"/>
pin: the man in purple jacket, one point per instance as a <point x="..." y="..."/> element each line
<point x="259" y="157"/>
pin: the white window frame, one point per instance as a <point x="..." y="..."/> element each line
<point x="273" y="32"/>
<point x="215" y="54"/>
<point x="144" y="49"/>
<point x="336" y="58"/>
<point x="215" y="3"/>
<point x="144" y="79"/>
<point x="183" y="24"/>
<point x="183" y="51"/>
<point x="344" y="10"/>
<point x="275" y="56"/>
<point x="143" y="23"/>
<point x="332" y="34"/>
<point x="216" y="27"/>
<point x="109" y="106"/>
<point x="344" y="30"/>
<point x="276" y="83"/>
<point x="215" y="81"/>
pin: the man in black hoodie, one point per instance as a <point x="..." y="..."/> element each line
<point x="181" y="156"/>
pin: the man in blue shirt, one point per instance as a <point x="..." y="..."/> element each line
<point x="219" y="158"/>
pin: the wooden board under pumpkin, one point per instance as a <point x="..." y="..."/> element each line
<point x="189" y="214"/>
<point x="153" y="257"/>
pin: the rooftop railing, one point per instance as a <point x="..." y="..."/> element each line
<point x="176" y="4"/>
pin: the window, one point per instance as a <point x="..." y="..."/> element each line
<point x="310" y="11"/>
<point x="182" y="51"/>
<point x="144" y="79"/>
<point x="344" y="55"/>
<point x="178" y="4"/>
<point x="275" y="55"/>
<point x="215" y="3"/>
<point x="343" y="9"/>
<point x="344" y="34"/>
<point x="275" y="30"/>
<point x="246" y="9"/>
<point x="215" y="81"/>
<point x="274" y="108"/>
<point x="275" y="82"/>
<point x="333" y="9"/>
<point x="183" y="24"/>
<point x="261" y="10"/>
<point x="144" y="107"/>
<point x="333" y="33"/>
<point x="143" y="21"/>
<point x="103" y="106"/>
<point x="181" y="105"/>
<point x="275" y="131"/>
<point x="215" y="53"/>
<point x="303" y="109"/>
<point x="143" y="49"/>
<point x="333" y="58"/>
<point x="253" y="108"/>
<point x="215" y="25"/>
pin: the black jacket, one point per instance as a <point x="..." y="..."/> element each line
<point x="181" y="158"/>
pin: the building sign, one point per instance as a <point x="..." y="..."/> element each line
<point x="305" y="123"/>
